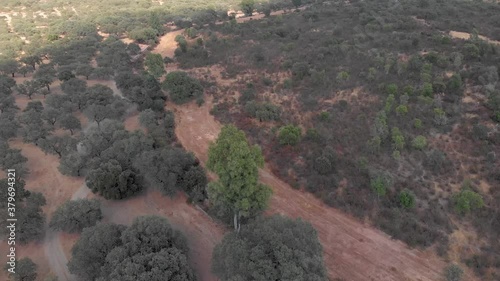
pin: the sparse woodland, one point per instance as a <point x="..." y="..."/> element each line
<point x="375" y="107"/>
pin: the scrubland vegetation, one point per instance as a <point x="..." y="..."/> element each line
<point x="373" y="107"/>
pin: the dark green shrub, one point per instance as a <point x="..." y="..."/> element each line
<point x="182" y="87"/>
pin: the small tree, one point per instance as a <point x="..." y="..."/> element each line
<point x="45" y="75"/>
<point x="70" y="122"/>
<point x="9" y="66"/>
<point x="391" y="89"/>
<point x="379" y="184"/>
<point x="289" y="135"/>
<point x="84" y="70"/>
<point x="467" y="200"/>
<point x="111" y="181"/>
<point x="407" y="199"/>
<point x="155" y="65"/>
<point x="29" y="88"/>
<point x="236" y="163"/>
<point x="247" y="6"/>
<point x="297" y="3"/>
<point x="419" y="142"/>
<point x="74" y="216"/>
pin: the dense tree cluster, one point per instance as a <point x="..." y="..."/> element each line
<point x="149" y="249"/>
<point x="273" y="248"/>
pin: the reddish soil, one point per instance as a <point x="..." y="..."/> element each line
<point x="352" y="250"/>
<point x="45" y="178"/>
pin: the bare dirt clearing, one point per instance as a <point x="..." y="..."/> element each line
<point x="466" y="36"/>
<point x="352" y="250"/>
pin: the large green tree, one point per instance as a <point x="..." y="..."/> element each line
<point x="236" y="163"/>
<point x="112" y="181"/>
<point x="149" y="250"/>
<point x="89" y="252"/>
<point x="272" y="248"/>
<point x="155" y="65"/>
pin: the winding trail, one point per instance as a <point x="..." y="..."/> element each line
<point x="352" y="250"/>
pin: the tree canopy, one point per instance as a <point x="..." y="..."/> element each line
<point x="272" y="248"/>
<point x="236" y="163"/>
<point x="74" y="216"/>
<point x="182" y="87"/>
<point x="149" y="250"/>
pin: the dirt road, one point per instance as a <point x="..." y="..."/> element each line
<point x="352" y="251"/>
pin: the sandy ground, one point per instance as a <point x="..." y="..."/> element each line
<point x="466" y="36"/>
<point x="352" y="250"/>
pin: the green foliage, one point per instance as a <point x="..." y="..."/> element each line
<point x="324" y="116"/>
<point x="25" y="270"/>
<point x="467" y="200"/>
<point x="408" y="90"/>
<point x="343" y="76"/>
<point x="155" y="65"/>
<point x="289" y="135"/>
<point x="389" y="103"/>
<point x="182" y="43"/>
<point x="143" y="35"/>
<point x="419" y="142"/>
<point x="112" y="181"/>
<point x="297" y="3"/>
<point x="417" y="123"/>
<point x="263" y="111"/>
<point x="392" y="89"/>
<point x="454" y="85"/>
<point x="471" y="51"/>
<point x="407" y="199"/>
<point x="379" y="185"/>
<point x="182" y="88"/>
<point x="150" y="249"/>
<point x="74" y="216"/>
<point x="427" y="90"/>
<point x="272" y="248"/>
<point x="398" y="140"/>
<point x="236" y="163"/>
<point x="401" y="110"/>
<point x="247" y="6"/>
<point x="453" y="272"/>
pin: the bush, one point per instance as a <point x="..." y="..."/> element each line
<point x="467" y="201"/>
<point x="401" y="110"/>
<point x="453" y="272"/>
<point x="247" y="7"/>
<point x="391" y="89"/>
<point x="263" y="111"/>
<point x="182" y="88"/>
<point x="419" y="142"/>
<point x="417" y="123"/>
<point x="289" y="135"/>
<point x="407" y="199"/>
<point x="379" y="184"/>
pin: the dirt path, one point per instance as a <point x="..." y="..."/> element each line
<point x="352" y="251"/>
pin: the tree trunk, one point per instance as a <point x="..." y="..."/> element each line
<point x="48" y="87"/>
<point x="13" y="74"/>
<point x="237" y="224"/>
